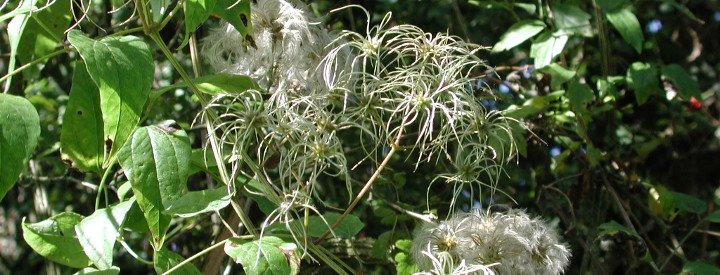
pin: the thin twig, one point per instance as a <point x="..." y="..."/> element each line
<point x="393" y="148"/>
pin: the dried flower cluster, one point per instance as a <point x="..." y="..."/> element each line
<point x="394" y="86"/>
<point x="504" y="243"/>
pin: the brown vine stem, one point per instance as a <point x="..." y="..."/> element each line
<point x="393" y="148"/>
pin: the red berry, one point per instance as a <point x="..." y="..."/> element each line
<point x="695" y="104"/>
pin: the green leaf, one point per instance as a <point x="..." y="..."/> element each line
<point x="197" y="202"/>
<point x="225" y="83"/>
<point x="628" y="25"/>
<point x="571" y="19"/>
<point x="404" y="264"/>
<point x="528" y="8"/>
<point x="613" y="227"/>
<point x="92" y="271"/>
<point x="237" y="13"/>
<point x="348" y="228"/>
<point x="252" y="189"/>
<point x="123" y="70"/>
<point x="19" y="134"/>
<point x="201" y="160"/>
<point x="213" y="84"/>
<point x="135" y="219"/>
<point x="685" y="11"/>
<point x="263" y="256"/>
<point x="642" y="78"/>
<point x="403" y="245"/>
<point x="714" y="216"/>
<point x="158" y="8"/>
<point x="97" y="233"/>
<point x="15" y="29"/>
<point x="688" y="203"/>
<point x="546" y="47"/>
<point x="381" y="246"/>
<point x="685" y="84"/>
<point x="518" y="33"/>
<point x="196" y="12"/>
<point x="611" y="5"/>
<point x="558" y="73"/>
<point x="44" y="30"/>
<point x="700" y="268"/>
<point x="156" y="160"/>
<point x="55" y="239"/>
<point x="165" y="259"/>
<point x="81" y="136"/>
<point x="579" y="94"/>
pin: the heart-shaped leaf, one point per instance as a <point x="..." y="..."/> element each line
<point x="81" y="136"/>
<point x="19" y="134"/>
<point x="55" y="239"/>
<point x="263" y="256"/>
<point x="123" y="70"/>
<point x="156" y="160"/>
<point x="97" y="233"/>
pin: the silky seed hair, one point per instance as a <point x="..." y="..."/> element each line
<point x="506" y="243"/>
<point x="395" y="83"/>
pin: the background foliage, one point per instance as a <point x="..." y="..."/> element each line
<point x="620" y="152"/>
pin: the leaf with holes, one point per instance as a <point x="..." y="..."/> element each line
<point x="237" y="13"/>
<point x="19" y="134"/>
<point x="122" y="68"/>
<point x="81" y="136"/>
<point x="196" y="12"/>
<point x="55" y="239"/>
<point x="156" y="160"/>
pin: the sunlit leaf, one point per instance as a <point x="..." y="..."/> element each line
<point x="55" y="239"/>
<point x="98" y="232"/>
<point x="572" y="19"/>
<point x="518" y="33"/>
<point x="347" y="228"/>
<point x="156" y="160"/>
<point x="197" y="202"/>
<point x="81" y="136"/>
<point x="123" y="69"/>
<point x="546" y="47"/>
<point x="237" y="13"/>
<point x="628" y="25"/>
<point x="263" y="256"/>
<point x="164" y="260"/>
<point x="44" y="31"/>
<point x="114" y="270"/>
